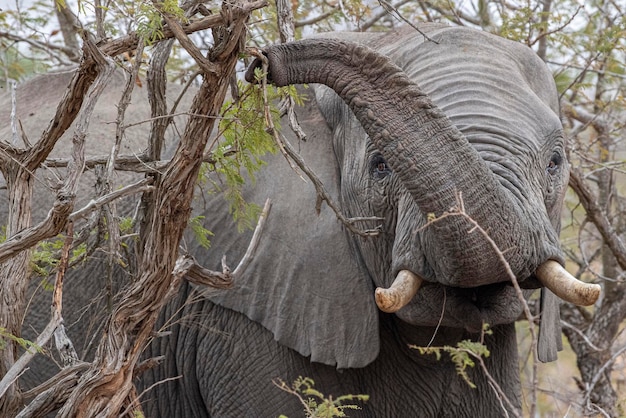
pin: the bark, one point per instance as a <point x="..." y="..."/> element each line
<point x="14" y="275"/>
<point x="106" y="388"/>
<point x="68" y="25"/>
<point x="15" y="252"/>
<point x="545" y="19"/>
<point x="157" y="79"/>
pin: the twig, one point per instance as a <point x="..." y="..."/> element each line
<point x="460" y="211"/>
<point x="293" y="157"/>
<point x="138" y="187"/>
<point x="47" y="47"/>
<point x="599" y="373"/>
<point x="494" y="385"/>
<point x="372" y="21"/>
<point x="148" y="389"/>
<point x="315" y="19"/>
<point x="280" y="384"/>
<point x="581" y="335"/>
<point x="394" y="11"/>
<point x="195" y="273"/>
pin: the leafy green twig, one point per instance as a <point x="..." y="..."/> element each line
<point x="316" y="404"/>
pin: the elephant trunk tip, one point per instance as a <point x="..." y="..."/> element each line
<point x="251" y="71"/>
<point x="278" y="72"/>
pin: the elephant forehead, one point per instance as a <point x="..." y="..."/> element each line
<point x="482" y="83"/>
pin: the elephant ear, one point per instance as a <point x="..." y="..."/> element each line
<point x="306" y="283"/>
<point x="549" y="343"/>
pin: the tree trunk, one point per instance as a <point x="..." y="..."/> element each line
<point x="106" y="389"/>
<point x="14" y="278"/>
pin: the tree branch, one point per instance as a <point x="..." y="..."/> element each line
<point x="598" y="217"/>
<point x="195" y="273"/>
<point x="138" y="187"/>
<point x="56" y="319"/>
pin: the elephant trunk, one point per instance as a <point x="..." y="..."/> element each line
<point x="434" y="161"/>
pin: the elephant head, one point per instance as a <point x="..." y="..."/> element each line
<point x="455" y="143"/>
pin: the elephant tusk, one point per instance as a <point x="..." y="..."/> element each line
<point x="566" y="286"/>
<point x="404" y="287"/>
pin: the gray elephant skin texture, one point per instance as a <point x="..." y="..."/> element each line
<point x="305" y="307"/>
<point x="419" y="128"/>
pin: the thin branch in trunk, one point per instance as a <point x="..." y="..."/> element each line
<point x="598" y="217"/>
<point x="56" y="319"/>
<point x="460" y="211"/>
<point x="293" y="157"/>
<point x="137" y="187"/>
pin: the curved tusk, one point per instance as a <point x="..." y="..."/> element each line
<point x="566" y="286"/>
<point x="404" y="287"/>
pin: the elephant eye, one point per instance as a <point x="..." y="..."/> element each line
<point x="380" y="168"/>
<point x="555" y="163"/>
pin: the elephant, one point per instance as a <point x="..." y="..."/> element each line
<point x="452" y="139"/>
<point x="446" y="143"/>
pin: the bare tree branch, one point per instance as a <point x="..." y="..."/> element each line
<point x="598" y="217"/>
<point x="18" y="367"/>
<point x="195" y="273"/>
<point x="374" y="19"/>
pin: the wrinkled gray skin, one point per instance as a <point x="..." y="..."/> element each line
<point x="311" y="284"/>
<point x="305" y="306"/>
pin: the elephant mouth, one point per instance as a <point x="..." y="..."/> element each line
<point x="467" y="308"/>
<point x="409" y="292"/>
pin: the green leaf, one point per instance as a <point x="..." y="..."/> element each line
<point x="25" y="344"/>
<point x="200" y="232"/>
